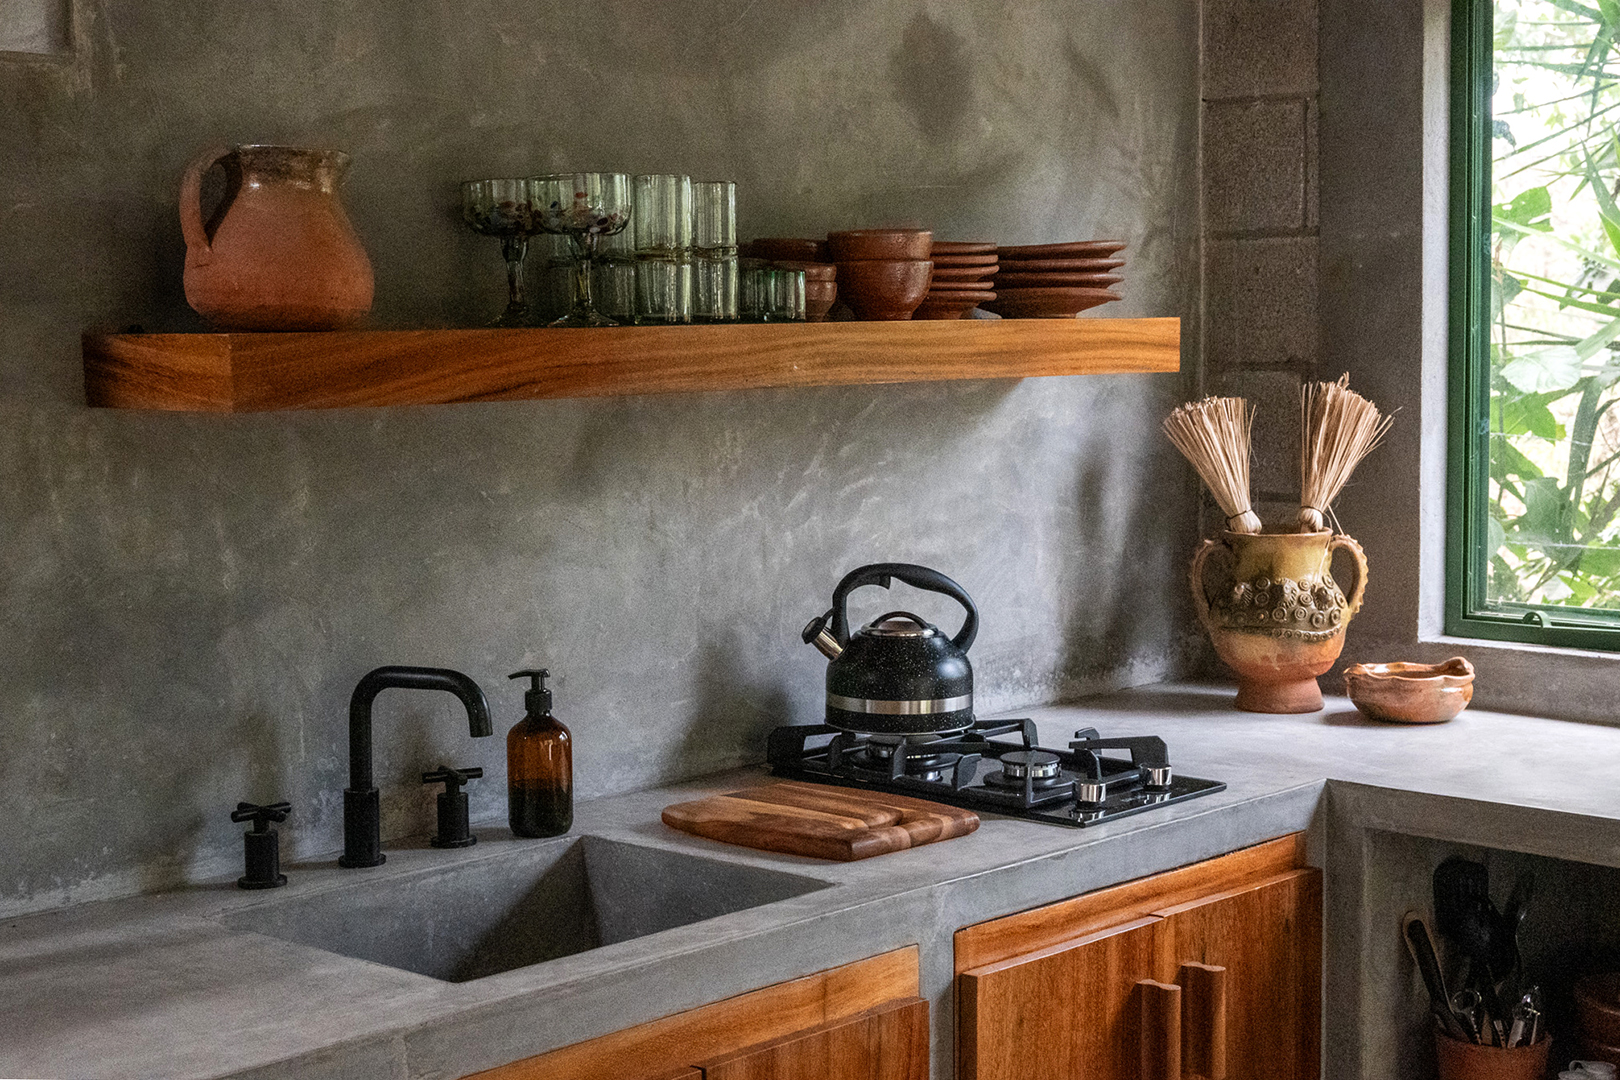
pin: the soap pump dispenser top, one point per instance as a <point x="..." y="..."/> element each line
<point x="539" y="766"/>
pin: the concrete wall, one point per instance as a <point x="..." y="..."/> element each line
<point x="186" y="601"/>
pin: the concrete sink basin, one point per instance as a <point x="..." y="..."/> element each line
<point x="467" y="920"/>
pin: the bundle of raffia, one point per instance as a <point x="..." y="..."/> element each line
<point x="1213" y="434"/>
<point x="1338" y="427"/>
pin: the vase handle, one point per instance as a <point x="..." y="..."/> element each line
<point x="1196" y="577"/>
<point x="191" y="222"/>
<point x="1360" y="557"/>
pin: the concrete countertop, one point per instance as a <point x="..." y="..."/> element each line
<point x="158" y="986"/>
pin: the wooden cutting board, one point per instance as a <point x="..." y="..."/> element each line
<point x="820" y="821"/>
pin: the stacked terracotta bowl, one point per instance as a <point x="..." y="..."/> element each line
<point x="962" y="279"/>
<point x="811" y="256"/>
<point x="1056" y="281"/>
<point x="883" y="274"/>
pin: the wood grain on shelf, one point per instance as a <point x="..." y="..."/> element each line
<point x="886" y="1043"/>
<point x="344" y="369"/>
<point x="1058" y="1013"/>
<point x="1039" y="928"/>
<point x="659" y="1047"/>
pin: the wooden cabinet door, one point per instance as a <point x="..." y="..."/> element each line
<point x="1268" y="937"/>
<point x="887" y="1043"/>
<point x="1065" y="1012"/>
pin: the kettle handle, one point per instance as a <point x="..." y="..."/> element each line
<point x="191" y="222"/>
<point x="918" y="577"/>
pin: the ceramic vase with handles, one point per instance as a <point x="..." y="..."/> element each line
<point x="1278" y="617"/>
<point x="278" y="253"/>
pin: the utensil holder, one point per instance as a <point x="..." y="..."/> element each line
<point x="1460" y="1060"/>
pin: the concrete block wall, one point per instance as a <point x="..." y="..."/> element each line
<point x="1258" y="138"/>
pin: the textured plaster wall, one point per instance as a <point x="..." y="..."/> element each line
<point x="186" y="601"/>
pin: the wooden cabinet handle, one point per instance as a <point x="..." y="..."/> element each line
<point x="1203" y="1020"/>
<point x="1159" y="1029"/>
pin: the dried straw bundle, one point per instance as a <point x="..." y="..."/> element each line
<point x="1338" y="427"/>
<point x="1213" y="435"/>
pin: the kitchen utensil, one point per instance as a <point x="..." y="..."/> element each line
<point x="884" y="289"/>
<point x="1459" y="1060"/>
<point x="889" y="245"/>
<point x="1405" y="693"/>
<point x="278" y="252"/>
<point x="1048" y="303"/>
<point x="950" y="305"/>
<point x="1416" y="935"/>
<point x="584" y="207"/>
<point x="1469" y="1011"/>
<point x="1278" y="616"/>
<point x="818" y="821"/>
<point x="898" y="674"/>
<point x="1338" y="427"/>
<point x="1505" y="929"/>
<point x="503" y="209"/>
<point x="1079" y="249"/>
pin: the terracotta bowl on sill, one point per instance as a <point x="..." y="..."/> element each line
<point x="1403" y="693"/>
<point x="884" y="289"/>
<point x="853" y="245"/>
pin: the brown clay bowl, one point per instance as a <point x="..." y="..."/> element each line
<point x="1047" y="303"/>
<point x="964" y="247"/>
<point x="852" y="245"/>
<point x="951" y="305"/>
<point x="1403" y="693"/>
<point x="819" y="298"/>
<point x="1056" y="281"/>
<point x="1079" y="249"/>
<point x="1597" y="1004"/>
<point x="1065" y="266"/>
<point x="884" y="289"/>
<point x="788" y="248"/>
<point x="813" y="271"/>
<point x="965" y="260"/>
<point x="963" y="273"/>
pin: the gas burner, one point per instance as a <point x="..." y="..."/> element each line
<point x="1082" y="786"/>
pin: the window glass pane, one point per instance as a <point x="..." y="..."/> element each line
<point x="34" y="26"/>
<point x="1553" y="528"/>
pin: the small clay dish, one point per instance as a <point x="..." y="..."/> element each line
<point x="819" y="297"/>
<point x="964" y="247"/>
<point x="951" y="305"/>
<point x="964" y="273"/>
<point x="787" y="248"/>
<point x="880" y="290"/>
<point x="1079" y="249"/>
<point x="853" y="245"/>
<point x="1047" y="303"/>
<point x="1015" y="280"/>
<point x="1404" y="693"/>
<point x="965" y="260"/>
<point x="957" y="286"/>
<point x="1597" y="1004"/>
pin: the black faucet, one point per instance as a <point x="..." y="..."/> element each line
<point x="362" y="810"/>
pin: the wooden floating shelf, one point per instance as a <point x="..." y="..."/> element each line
<point x="349" y="369"/>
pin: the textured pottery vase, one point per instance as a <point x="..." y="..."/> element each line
<point x="1277" y="617"/>
<point x="278" y="253"/>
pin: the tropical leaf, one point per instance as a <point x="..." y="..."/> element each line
<point x="1557" y="367"/>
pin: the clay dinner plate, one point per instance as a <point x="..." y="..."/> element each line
<point x="955" y="307"/>
<point x="964" y="247"/>
<point x="1067" y="266"/>
<point x="1046" y="303"/>
<point x="1079" y="249"/>
<point x="963" y="273"/>
<point x="965" y="260"/>
<point x="1084" y="281"/>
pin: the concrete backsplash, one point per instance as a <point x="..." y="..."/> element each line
<point x="187" y="601"/>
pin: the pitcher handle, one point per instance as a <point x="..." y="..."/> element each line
<point x="1196" y="576"/>
<point x="1360" y="558"/>
<point x="191" y="222"/>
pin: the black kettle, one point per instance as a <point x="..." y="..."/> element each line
<point x="898" y="675"/>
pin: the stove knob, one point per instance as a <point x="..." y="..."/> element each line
<point x="1157" y="779"/>
<point x="1089" y="793"/>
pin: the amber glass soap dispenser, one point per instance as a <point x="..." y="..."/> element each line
<point x="539" y="766"/>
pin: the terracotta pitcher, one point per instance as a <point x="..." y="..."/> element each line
<point x="279" y="252"/>
<point x="1278" y="620"/>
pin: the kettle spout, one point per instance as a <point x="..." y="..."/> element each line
<point x="816" y="633"/>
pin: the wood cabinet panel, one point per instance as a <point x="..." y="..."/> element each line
<point x="1064" y="1012"/>
<point x="658" y="1048"/>
<point x="887" y="1043"/>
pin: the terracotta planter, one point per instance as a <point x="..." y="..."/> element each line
<point x="279" y="252"/>
<point x="1278" y="618"/>
<point x="1460" y="1060"/>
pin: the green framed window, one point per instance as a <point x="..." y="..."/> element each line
<point x="1534" y="479"/>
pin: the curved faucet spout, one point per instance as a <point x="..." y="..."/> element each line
<point x="362" y="814"/>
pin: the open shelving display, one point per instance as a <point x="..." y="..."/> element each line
<point x="260" y="372"/>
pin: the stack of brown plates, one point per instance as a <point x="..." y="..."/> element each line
<point x="961" y="282"/>
<point x="1056" y="281"/>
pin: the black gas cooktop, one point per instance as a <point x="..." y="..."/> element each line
<point x="995" y="765"/>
